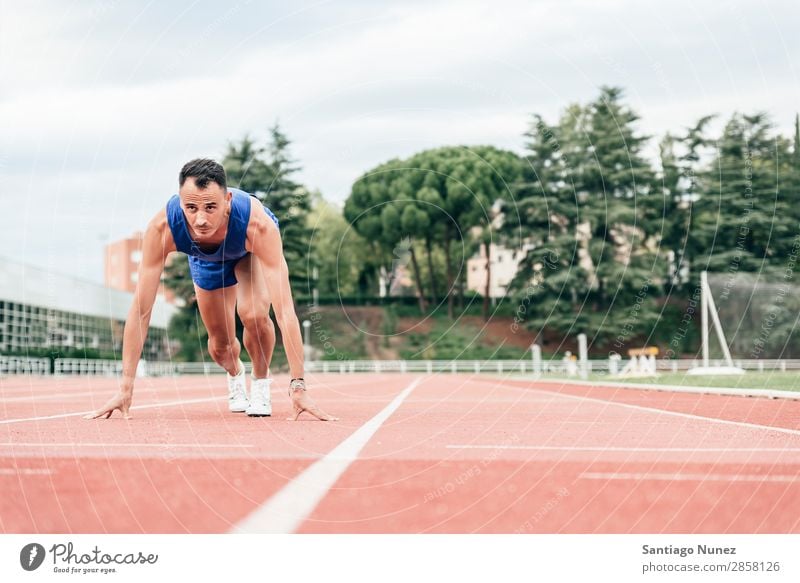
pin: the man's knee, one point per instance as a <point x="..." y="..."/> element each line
<point x="220" y="348"/>
<point x="257" y="322"/>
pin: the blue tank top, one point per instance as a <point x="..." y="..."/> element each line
<point x="232" y="247"/>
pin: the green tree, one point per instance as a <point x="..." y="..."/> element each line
<point x="268" y="173"/>
<point x="339" y="250"/>
<point x="681" y="169"/>
<point x="376" y="208"/>
<point x="590" y="210"/>
<point x="744" y="213"/>
<point x="436" y="197"/>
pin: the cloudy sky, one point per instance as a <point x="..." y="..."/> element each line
<point x="101" y="102"/>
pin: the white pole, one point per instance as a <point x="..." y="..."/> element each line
<point x="613" y="363"/>
<point x="712" y="306"/>
<point x="704" y="293"/>
<point x="536" y="356"/>
<point x="583" y="356"/>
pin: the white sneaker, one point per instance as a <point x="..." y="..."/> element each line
<point x="260" y="398"/>
<point x="237" y="391"/>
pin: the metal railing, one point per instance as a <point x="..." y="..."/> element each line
<point x="77" y="366"/>
<point x="67" y="366"/>
<point x="24" y="365"/>
<point x="526" y="366"/>
<point x="64" y="366"/>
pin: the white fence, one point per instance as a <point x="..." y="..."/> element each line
<point x="24" y="365"/>
<point x="66" y="366"/>
<point x="87" y="366"/>
<point x="77" y="366"/>
<point x="523" y="366"/>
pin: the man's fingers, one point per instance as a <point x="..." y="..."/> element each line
<point x="96" y="414"/>
<point x="107" y="411"/>
<point x="302" y="402"/>
<point x="317" y="412"/>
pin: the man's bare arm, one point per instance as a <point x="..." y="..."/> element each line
<point x="157" y="244"/>
<point x="268" y="248"/>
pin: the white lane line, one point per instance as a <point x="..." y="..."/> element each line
<point x="24" y="472"/>
<point x="727" y="391"/>
<point x="56" y="387"/>
<point x="634" y="449"/>
<point x="692" y="477"/>
<point x="161" y="445"/>
<point x="51" y="397"/>
<point x="675" y="413"/>
<point x="289" y="507"/>
<point x="81" y="413"/>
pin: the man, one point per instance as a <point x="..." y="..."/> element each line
<point x="236" y="260"/>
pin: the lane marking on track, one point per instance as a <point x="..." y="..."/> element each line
<point x="161" y="445"/>
<point x="135" y="407"/>
<point x="48" y="393"/>
<point x="60" y="396"/>
<point x="632" y="449"/>
<point x="691" y="477"/>
<point x="289" y="507"/>
<point x="24" y="472"/>
<point x="675" y="413"/>
<point x="693" y="389"/>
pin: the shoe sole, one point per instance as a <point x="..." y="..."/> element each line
<point x="259" y="414"/>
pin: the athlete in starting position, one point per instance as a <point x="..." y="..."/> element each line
<point x="230" y="238"/>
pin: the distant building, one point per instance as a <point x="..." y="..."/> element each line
<point x="504" y="264"/>
<point x="122" y="260"/>
<point x="40" y="309"/>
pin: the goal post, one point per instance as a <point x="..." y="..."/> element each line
<point x="708" y="309"/>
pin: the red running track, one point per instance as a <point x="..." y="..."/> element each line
<point x="452" y="453"/>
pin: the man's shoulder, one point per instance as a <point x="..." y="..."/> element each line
<point x="159" y="228"/>
<point x="239" y="191"/>
<point x="159" y="222"/>
<point x="260" y="221"/>
<point x="260" y="226"/>
<point x="159" y="233"/>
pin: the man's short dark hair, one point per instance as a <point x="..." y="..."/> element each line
<point x="203" y="170"/>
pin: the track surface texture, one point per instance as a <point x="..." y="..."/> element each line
<point x="411" y="454"/>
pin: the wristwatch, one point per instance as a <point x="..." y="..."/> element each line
<point x="298" y="384"/>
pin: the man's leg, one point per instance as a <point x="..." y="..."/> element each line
<point x="259" y="338"/>
<point x="253" y="306"/>
<point x="216" y="310"/>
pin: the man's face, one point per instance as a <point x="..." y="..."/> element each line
<point x="206" y="209"/>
